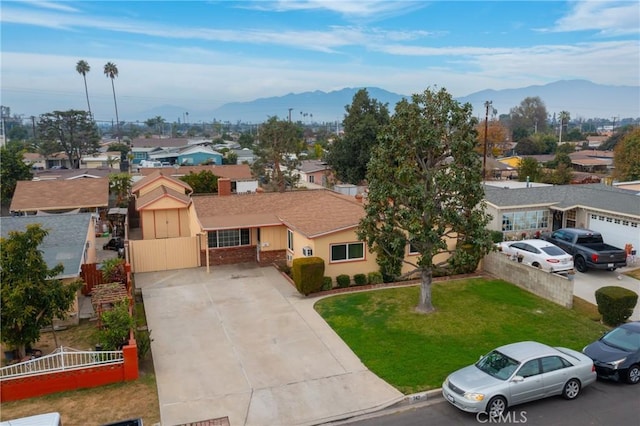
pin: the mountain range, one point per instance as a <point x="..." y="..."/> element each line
<point x="581" y="98"/>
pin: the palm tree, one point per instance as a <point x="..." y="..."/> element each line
<point x="83" y="68"/>
<point x="111" y="71"/>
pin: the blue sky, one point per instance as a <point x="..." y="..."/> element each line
<point x="202" y="54"/>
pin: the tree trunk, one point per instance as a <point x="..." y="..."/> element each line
<point x="424" y="304"/>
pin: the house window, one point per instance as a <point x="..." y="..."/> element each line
<point x="290" y="239"/>
<point x="349" y="251"/>
<point x="525" y="221"/>
<point x="311" y="179"/>
<point x="571" y="218"/>
<point x="228" y="238"/>
<point x="412" y="249"/>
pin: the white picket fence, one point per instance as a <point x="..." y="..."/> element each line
<point x="61" y="359"/>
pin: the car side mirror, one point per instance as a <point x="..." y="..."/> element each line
<point x="517" y="379"/>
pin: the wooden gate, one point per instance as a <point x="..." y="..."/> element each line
<point x="164" y="254"/>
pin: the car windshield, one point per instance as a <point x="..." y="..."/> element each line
<point x="497" y="365"/>
<point x="553" y="251"/>
<point x="623" y="338"/>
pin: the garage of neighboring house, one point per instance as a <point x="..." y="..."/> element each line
<point x="611" y="211"/>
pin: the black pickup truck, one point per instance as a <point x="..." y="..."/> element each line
<point x="588" y="249"/>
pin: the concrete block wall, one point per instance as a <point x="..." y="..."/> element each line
<point x="553" y="287"/>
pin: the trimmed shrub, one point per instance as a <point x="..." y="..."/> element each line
<point x="375" y="278"/>
<point x="615" y="304"/>
<point x="343" y="280"/>
<point x="307" y="274"/>
<point x="327" y="283"/>
<point x="496" y="236"/>
<point x="360" y="279"/>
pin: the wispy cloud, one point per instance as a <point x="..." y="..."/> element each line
<point x="609" y="18"/>
<point x="63" y="7"/>
<point x="348" y="9"/>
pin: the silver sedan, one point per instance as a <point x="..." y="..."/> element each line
<point x="518" y="373"/>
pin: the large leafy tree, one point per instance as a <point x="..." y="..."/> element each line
<point x="349" y="155"/>
<point x="528" y="118"/>
<point x="277" y="154"/>
<point x="204" y="182"/>
<point x="31" y="298"/>
<point x="425" y="189"/>
<point x="529" y="170"/>
<point x="12" y="169"/>
<point x="82" y="67"/>
<point x="73" y="132"/>
<point x="111" y="71"/>
<point x="626" y="157"/>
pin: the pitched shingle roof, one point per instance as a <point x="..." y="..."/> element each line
<point x="312" y="213"/>
<point x="60" y="194"/>
<point x="157" y="174"/>
<point x="65" y="242"/>
<point x="594" y="196"/>
<point x="161" y="192"/>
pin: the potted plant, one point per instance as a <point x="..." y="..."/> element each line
<point x="520" y="257"/>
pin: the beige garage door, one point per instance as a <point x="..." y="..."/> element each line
<point x="164" y="254"/>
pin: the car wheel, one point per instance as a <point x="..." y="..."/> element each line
<point x="536" y="265"/>
<point x="571" y="389"/>
<point x="580" y="264"/>
<point x="633" y="374"/>
<point x="496" y="407"/>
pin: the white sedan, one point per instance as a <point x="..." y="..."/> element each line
<point x="540" y="254"/>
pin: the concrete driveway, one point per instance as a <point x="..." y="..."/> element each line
<point x="586" y="284"/>
<point x="241" y="342"/>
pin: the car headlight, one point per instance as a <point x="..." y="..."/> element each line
<point x="616" y="364"/>
<point x="474" y="396"/>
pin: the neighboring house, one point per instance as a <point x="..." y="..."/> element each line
<point x="141" y="153"/>
<point x="61" y="196"/>
<point x="524" y="211"/>
<point x="58" y="160"/>
<point x="315" y="172"/>
<point x="196" y="155"/>
<point x="633" y="186"/>
<point x="34" y="160"/>
<point x="163" y="204"/>
<point x="592" y="161"/>
<point x="109" y="159"/>
<point x="596" y="141"/>
<point x="244" y="155"/>
<point x="70" y="174"/>
<point x="71" y="241"/>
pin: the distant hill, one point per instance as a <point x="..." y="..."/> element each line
<point x="580" y="98"/>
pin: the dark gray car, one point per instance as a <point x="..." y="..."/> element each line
<point x="616" y="355"/>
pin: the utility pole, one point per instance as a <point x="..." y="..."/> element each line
<point x="487" y="104"/>
<point x="290" y="109"/>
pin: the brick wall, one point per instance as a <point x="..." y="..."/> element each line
<point x="553" y="287"/>
<point x="272" y="256"/>
<point x="229" y="255"/>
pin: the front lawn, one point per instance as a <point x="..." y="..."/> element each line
<point x="415" y="352"/>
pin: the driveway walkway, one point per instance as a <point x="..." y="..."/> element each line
<point x="241" y="342"/>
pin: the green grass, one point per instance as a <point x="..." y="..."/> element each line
<point x="415" y="352"/>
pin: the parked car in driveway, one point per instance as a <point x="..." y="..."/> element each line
<point x="616" y="355"/>
<point x="540" y="254"/>
<point x="518" y="373"/>
<point x="588" y="249"/>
